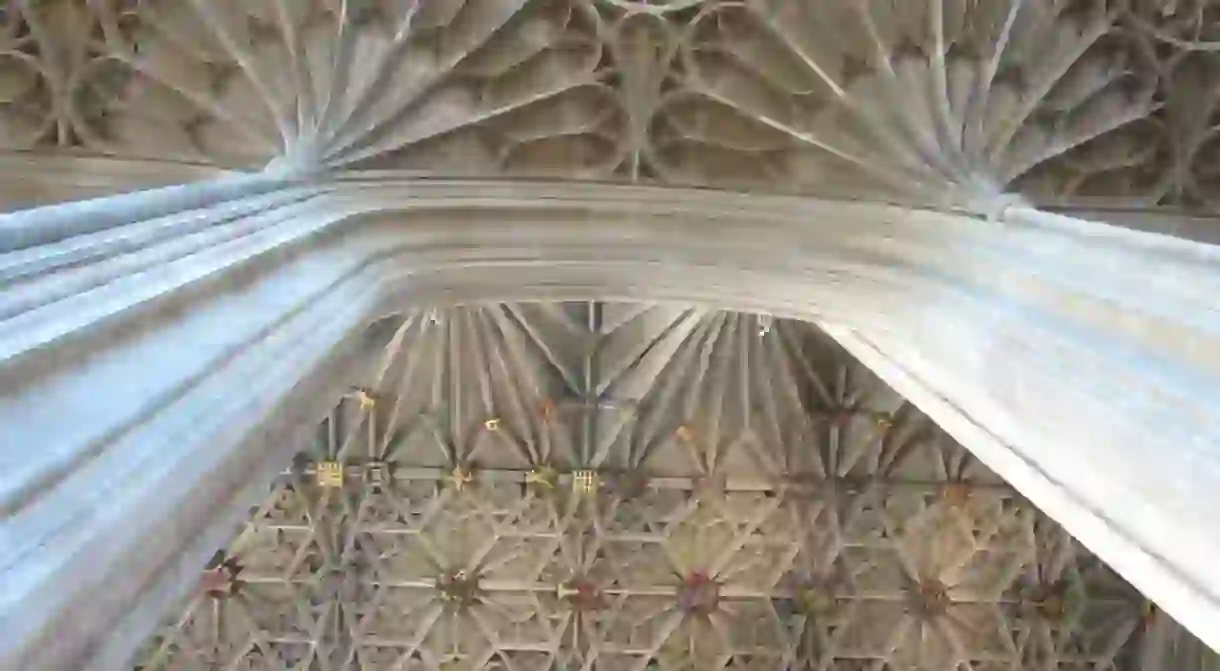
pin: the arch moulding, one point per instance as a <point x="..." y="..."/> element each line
<point x="890" y="171"/>
<point x="160" y="384"/>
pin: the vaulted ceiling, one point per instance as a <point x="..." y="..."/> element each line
<point x="1068" y="101"/>
<point x="626" y="486"/>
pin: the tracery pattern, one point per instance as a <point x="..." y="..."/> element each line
<point x="1069" y="101"/>
<point x="764" y="504"/>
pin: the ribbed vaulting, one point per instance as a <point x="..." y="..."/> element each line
<point x="610" y="335"/>
<point x="622" y="487"/>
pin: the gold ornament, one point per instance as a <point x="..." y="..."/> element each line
<point x="586" y="482"/>
<point x="542" y="478"/>
<point x="459" y="478"/>
<point x="884" y="421"/>
<point x="329" y="474"/>
<point x="365" y="399"/>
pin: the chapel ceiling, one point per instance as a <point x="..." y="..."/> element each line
<point x="1084" y="102"/>
<point x="616" y="487"/>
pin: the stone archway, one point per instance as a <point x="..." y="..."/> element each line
<point x="277" y="316"/>
<point x="153" y="342"/>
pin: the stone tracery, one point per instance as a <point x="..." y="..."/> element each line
<point x="1076" y="102"/>
<point x="363" y="109"/>
<point x="855" y="555"/>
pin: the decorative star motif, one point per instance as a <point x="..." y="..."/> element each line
<point x="460" y="588"/>
<point x="928" y="598"/>
<point x="581" y="594"/>
<point x="609" y="536"/>
<point x="699" y="594"/>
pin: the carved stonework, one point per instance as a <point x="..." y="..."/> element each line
<point x="1084" y="102"/>
<point x="338" y="163"/>
<point x="823" y="546"/>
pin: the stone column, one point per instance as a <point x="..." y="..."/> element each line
<point x="1080" y="361"/>
<point x="157" y="362"/>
